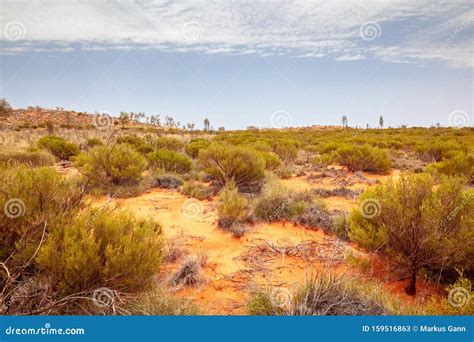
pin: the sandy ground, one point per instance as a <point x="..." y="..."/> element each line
<point x="277" y="254"/>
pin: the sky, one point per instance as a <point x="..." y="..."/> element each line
<point x="242" y="63"/>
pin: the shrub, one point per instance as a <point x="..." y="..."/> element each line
<point x="168" y="181"/>
<point x="189" y="273"/>
<point x="226" y="163"/>
<point x="58" y="147"/>
<point x="363" y="158"/>
<point x="33" y="159"/>
<point x="158" y="303"/>
<point x="320" y="295"/>
<point x="101" y="248"/>
<point x="272" y="161"/>
<point x="198" y="190"/>
<point x="233" y="208"/>
<point x="168" y="143"/>
<point x="460" y="165"/>
<point x="278" y="203"/>
<point x="136" y="142"/>
<point x="284" y="172"/>
<point x="92" y="142"/>
<point x="28" y="198"/>
<point x="118" y="164"/>
<point x="170" y="161"/>
<point x="286" y="149"/>
<point x="341" y="227"/>
<point x="437" y="150"/>
<point x="195" y="146"/>
<point x="420" y="225"/>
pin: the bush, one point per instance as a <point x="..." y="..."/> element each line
<point x="272" y="161"/>
<point x="341" y="227"/>
<point x="195" y="146"/>
<point x="168" y="181"/>
<point x="119" y="164"/>
<point x="136" y="142"/>
<point x="32" y="159"/>
<point x="420" y="225"/>
<point x="286" y="149"/>
<point x="92" y="142"/>
<point x="170" y="161"/>
<point x="242" y="165"/>
<point x="168" y="143"/>
<point x="437" y="150"/>
<point x="158" y="303"/>
<point x="278" y="203"/>
<point x="28" y="198"/>
<point x="321" y="295"/>
<point x="189" y="273"/>
<point x="198" y="190"/>
<point x="460" y="165"/>
<point x="101" y="248"/>
<point x="58" y="147"/>
<point x="363" y="158"/>
<point x="233" y="208"/>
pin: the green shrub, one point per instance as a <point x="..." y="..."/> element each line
<point x="285" y="172"/>
<point x="286" y="149"/>
<point x="460" y="165"/>
<point x="58" y="147"/>
<point x="119" y="164"/>
<point x="101" y="248"/>
<point x="242" y="165"/>
<point x="92" y="142"/>
<point x="196" y="145"/>
<point x="136" y="142"/>
<point x="168" y="143"/>
<point x="363" y="158"/>
<point x="437" y="150"/>
<point x="170" y="161"/>
<point x="33" y="159"/>
<point x="420" y="225"/>
<point x="341" y="227"/>
<point x="272" y="161"/>
<point x="233" y="207"/>
<point x="28" y="198"/>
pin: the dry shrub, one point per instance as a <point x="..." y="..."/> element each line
<point x="189" y="273"/>
<point x="29" y="158"/>
<point x="159" y="303"/>
<point x="320" y="295"/>
<point x="199" y="190"/>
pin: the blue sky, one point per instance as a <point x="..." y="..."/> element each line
<point x="241" y="63"/>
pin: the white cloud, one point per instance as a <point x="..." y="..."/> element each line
<point x="410" y="31"/>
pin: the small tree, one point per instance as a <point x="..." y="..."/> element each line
<point x="5" y="107"/>
<point x="381" y="121"/>
<point x="417" y="224"/>
<point x="207" y="124"/>
<point x="124" y="118"/>
<point x="345" y="121"/>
